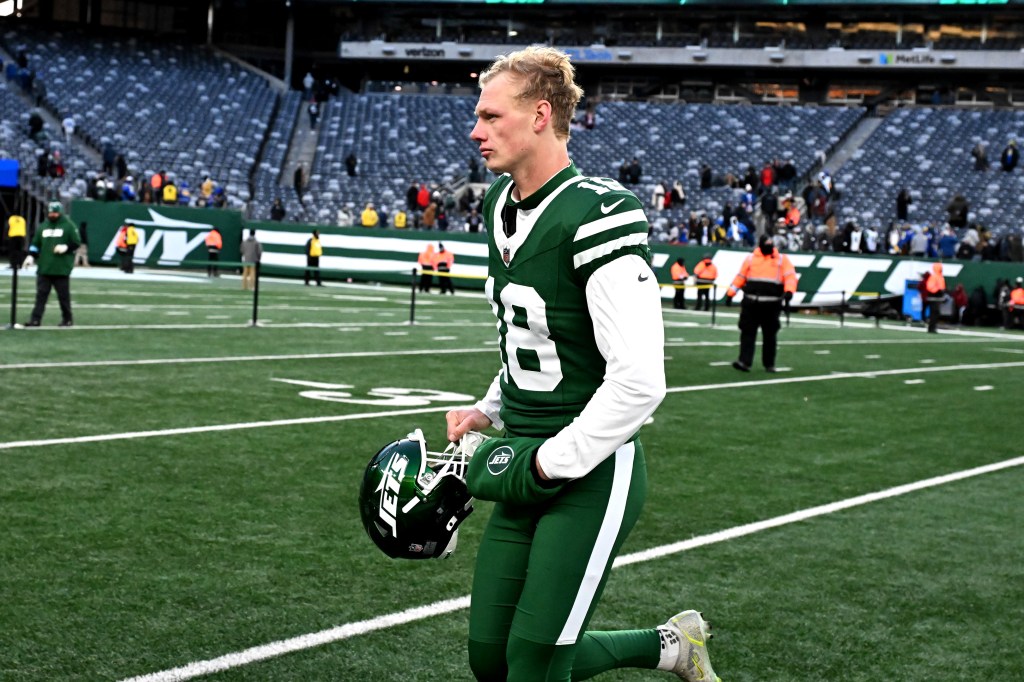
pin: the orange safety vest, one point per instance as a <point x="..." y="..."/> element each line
<point x="446" y="257"/>
<point x="214" y="240"/>
<point x="936" y="282"/>
<point x="764" y="278"/>
<point x="1017" y="297"/>
<point x="679" y="272"/>
<point x="426" y="258"/>
<point x="122" y="238"/>
<point x="155" y="181"/>
<point x="706" y="270"/>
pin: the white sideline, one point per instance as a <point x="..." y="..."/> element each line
<point x="424" y="410"/>
<point x="284" y="646"/>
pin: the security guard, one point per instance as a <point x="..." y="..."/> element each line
<point x="935" y="292"/>
<point x="214" y="243"/>
<point x="767" y="278"/>
<point x="679" y="275"/>
<point x="706" y="273"/>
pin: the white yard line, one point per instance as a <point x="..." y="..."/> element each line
<point x="371" y="415"/>
<point x="349" y="630"/>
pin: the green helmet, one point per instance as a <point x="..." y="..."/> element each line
<point x="412" y="500"/>
<point x="54" y="207"/>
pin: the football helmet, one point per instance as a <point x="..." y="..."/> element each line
<point x="412" y="500"/>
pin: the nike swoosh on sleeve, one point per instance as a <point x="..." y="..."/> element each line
<point x="608" y="209"/>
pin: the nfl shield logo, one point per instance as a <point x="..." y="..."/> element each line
<point x="505" y="256"/>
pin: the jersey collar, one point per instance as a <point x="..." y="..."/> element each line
<point x="533" y="201"/>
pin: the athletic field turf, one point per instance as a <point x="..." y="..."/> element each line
<point x="179" y="491"/>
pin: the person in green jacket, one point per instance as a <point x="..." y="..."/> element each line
<point x="53" y="248"/>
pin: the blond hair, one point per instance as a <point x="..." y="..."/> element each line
<point x="545" y="74"/>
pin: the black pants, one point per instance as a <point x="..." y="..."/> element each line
<point x="933" y="314"/>
<point x="313" y="266"/>
<point x="43" y="285"/>
<point x="128" y="259"/>
<point x="703" y="295"/>
<point x="679" y="300"/>
<point x="763" y="315"/>
<point x="426" y="281"/>
<point x="445" y="284"/>
<point x="211" y="269"/>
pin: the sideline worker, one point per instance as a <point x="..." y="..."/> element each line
<point x="767" y="278"/>
<point x="706" y="273"/>
<point x="127" y="240"/>
<point x="935" y="294"/>
<point x="53" y="248"/>
<point x="426" y="262"/>
<point x="16" y="240"/>
<point x="214" y="243"/>
<point x="313" y="252"/>
<point x="679" y="275"/>
<point x="251" y="251"/>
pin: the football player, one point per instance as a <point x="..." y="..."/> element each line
<point x="581" y="339"/>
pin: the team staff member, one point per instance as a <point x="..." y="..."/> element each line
<point x="313" y="252"/>
<point x="443" y="262"/>
<point x="767" y="278"/>
<point x="426" y="263"/>
<point x="214" y="243"/>
<point x="252" y="252"/>
<point x="127" y="240"/>
<point x="705" y="273"/>
<point x="16" y="240"/>
<point x="679" y="275"/>
<point x="53" y="248"/>
<point x="582" y="349"/>
<point x="935" y="294"/>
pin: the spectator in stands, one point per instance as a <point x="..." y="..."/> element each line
<point x="903" y="202"/>
<point x="120" y="166"/>
<point x="948" y="244"/>
<point x="1010" y="156"/>
<point x="170" y="192"/>
<point x="35" y="125"/>
<point x="277" y="211"/>
<point x="969" y="243"/>
<point x="624" y="173"/>
<point x="410" y="197"/>
<point x="589" y="119"/>
<point x="307" y="85"/>
<point x="369" y="216"/>
<point x="206" y="188"/>
<point x="314" y="113"/>
<point x="658" y="197"/>
<point x="350" y="164"/>
<point x="635" y="171"/>
<point x="869" y="240"/>
<point x="678" y="194"/>
<point x="474" y="221"/>
<point x="787" y="175"/>
<point x="68" y="124"/>
<point x="423" y="197"/>
<point x="184" y="194"/>
<point x="958" y="209"/>
<point x="109" y="156"/>
<point x="299" y="181"/>
<point x="382" y="215"/>
<point x="156" y="182"/>
<point x="980" y="154"/>
<point x="56" y="165"/>
<point x="401" y="218"/>
<point x="474" y="170"/>
<point x="430" y="216"/>
<point x="128" y="189"/>
<point x="706" y="176"/>
<point x="767" y="176"/>
<point x="313" y="252"/>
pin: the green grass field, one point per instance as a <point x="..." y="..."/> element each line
<point x="180" y="488"/>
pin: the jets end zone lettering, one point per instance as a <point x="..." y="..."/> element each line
<point x="167" y="235"/>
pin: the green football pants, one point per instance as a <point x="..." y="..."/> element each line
<point x="540" y="572"/>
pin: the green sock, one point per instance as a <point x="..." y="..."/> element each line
<point x="601" y="651"/>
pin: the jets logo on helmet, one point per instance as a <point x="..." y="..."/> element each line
<point x="412" y="500"/>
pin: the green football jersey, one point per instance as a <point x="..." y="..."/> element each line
<point x="536" y="284"/>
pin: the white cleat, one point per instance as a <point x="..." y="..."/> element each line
<point x="687" y="633"/>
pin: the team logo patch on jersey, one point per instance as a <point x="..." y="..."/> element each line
<point x="506" y="255"/>
<point x="499" y="460"/>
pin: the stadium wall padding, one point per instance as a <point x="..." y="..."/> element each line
<point x="173" y="234"/>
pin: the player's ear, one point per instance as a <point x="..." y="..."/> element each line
<point x="541" y="115"/>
